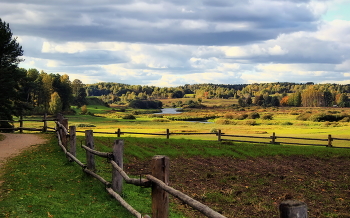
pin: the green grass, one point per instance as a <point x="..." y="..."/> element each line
<point x="41" y="182"/>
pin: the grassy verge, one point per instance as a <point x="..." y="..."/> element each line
<point x="41" y="183"/>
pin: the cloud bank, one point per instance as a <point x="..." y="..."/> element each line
<point x="169" y="43"/>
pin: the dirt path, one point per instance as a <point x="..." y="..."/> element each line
<point x="14" y="143"/>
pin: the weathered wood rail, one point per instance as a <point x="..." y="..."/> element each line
<point x="21" y="127"/>
<point x="158" y="181"/>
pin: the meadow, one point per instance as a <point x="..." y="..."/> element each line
<point x="236" y="179"/>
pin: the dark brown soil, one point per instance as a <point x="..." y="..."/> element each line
<point x="255" y="187"/>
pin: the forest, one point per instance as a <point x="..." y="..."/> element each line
<point x="40" y="92"/>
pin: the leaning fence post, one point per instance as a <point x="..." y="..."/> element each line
<point x="160" y="198"/>
<point x="293" y="209"/>
<point x="167" y="133"/>
<point x="21" y="124"/>
<point x="330" y="141"/>
<point x="90" y="158"/>
<point x="117" y="179"/>
<point x="45" y="123"/>
<point x="219" y="135"/>
<point x="72" y="141"/>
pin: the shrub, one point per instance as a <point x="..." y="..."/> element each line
<point x="214" y="130"/>
<point x="135" y="113"/>
<point x="251" y="123"/>
<point x="223" y="121"/>
<point x="240" y="116"/>
<point x="85" y="125"/>
<point x="287" y="123"/>
<point x="155" y="116"/>
<point x="345" y="119"/>
<point x="161" y="120"/>
<point x="294" y="113"/>
<point x="129" y="117"/>
<point x="321" y="117"/>
<point x="267" y="117"/>
<point x="83" y="109"/>
<point x="304" y="116"/>
<point x="228" y="116"/>
<point x="253" y="115"/>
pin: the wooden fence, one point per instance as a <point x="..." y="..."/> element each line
<point x="21" y="127"/>
<point x="158" y="181"/>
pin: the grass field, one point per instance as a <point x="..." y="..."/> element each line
<point x="54" y="187"/>
<point x="29" y="191"/>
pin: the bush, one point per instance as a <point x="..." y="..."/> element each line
<point x="155" y="116"/>
<point x="83" y="109"/>
<point x="251" y="123"/>
<point x="240" y="116"/>
<point x="294" y="113"/>
<point x="129" y="117"/>
<point x="85" y="125"/>
<point x="267" y="117"/>
<point x="228" y="116"/>
<point x="253" y="115"/>
<point x="214" y="130"/>
<point x="160" y="120"/>
<point x="304" y="116"/>
<point x="135" y="113"/>
<point x="287" y="123"/>
<point x="223" y="122"/>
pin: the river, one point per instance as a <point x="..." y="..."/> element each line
<point x="169" y="111"/>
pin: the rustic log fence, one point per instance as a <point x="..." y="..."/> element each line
<point x="158" y="181"/>
<point x="20" y="128"/>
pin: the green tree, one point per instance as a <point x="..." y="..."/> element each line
<point x="10" y="75"/>
<point x="55" y="103"/>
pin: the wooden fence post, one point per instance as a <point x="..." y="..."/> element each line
<point x="219" y="135"/>
<point x="273" y="138"/>
<point x="330" y="141"/>
<point x="45" y="123"/>
<point x="117" y="179"/>
<point x="160" y="198"/>
<point x="72" y="141"/>
<point x="167" y="133"/>
<point x="293" y="209"/>
<point x="90" y="157"/>
<point x="64" y="135"/>
<point x="118" y="133"/>
<point x="21" y="124"/>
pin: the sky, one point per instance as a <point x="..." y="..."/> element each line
<point x="176" y="42"/>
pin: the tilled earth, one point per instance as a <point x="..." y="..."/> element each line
<point x="254" y="187"/>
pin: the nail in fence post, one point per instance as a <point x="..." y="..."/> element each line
<point x="72" y="141"/>
<point x="90" y="158"/>
<point x="293" y="209"/>
<point x="117" y="179"/>
<point x="167" y="133"/>
<point x="330" y="141"/>
<point x="160" y="198"/>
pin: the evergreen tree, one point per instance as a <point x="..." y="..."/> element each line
<point x="10" y="75"/>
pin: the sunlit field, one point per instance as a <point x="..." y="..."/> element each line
<point x="218" y="115"/>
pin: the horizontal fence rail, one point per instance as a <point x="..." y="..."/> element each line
<point x="157" y="181"/>
<point x="21" y="124"/>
